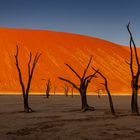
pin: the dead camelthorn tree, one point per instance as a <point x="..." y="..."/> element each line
<point x="108" y="92"/>
<point x="66" y="90"/>
<point x="72" y="90"/>
<point x="54" y="90"/>
<point x="48" y="88"/>
<point x="98" y="92"/>
<point x="82" y="88"/>
<point x="25" y="90"/>
<point x="134" y="76"/>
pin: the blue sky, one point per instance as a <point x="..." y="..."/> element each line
<point x="104" y="19"/>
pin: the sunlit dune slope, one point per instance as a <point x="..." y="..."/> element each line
<point x="58" y="48"/>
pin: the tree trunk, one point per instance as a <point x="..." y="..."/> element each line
<point x="110" y="101"/>
<point x="72" y="92"/>
<point x="85" y="105"/>
<point x="134" y="102"/>
<point x="27" y="109"/>
<point x="47" y="95"/>
<point x="111" y="105"/>
<point x="84" y="100"/>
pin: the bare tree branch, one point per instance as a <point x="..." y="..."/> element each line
<point x="29" y="64"/>
<point x="131" y="59"/>
<point x="132" y="40"/>
<point x="99" y="73"/>
<point x="102" y="83"/>
<point x="37" y="56"/>
<point x="69" y="82"/>
<point x="32" y="69"/>
<point x="19" y="71"/>
<point x="127" y="62"/>
<point x="89" y="78"/>
<point x="73" y="70"/>
<point x="87" y="68"/>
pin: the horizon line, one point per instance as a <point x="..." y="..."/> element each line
<point x="58" y="31"/>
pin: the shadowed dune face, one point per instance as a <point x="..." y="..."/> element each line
<point x="58" y="48"/>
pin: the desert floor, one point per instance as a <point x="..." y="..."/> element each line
<point x="60" y="118"/>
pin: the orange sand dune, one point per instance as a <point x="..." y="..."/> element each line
<point x="57" y="48"/>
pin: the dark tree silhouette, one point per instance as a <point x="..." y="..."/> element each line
<point x="108" y="92"/>
<point x="134" y="76"/>
<point x="48" y="88"/>
<point x="98" y="92"/>
<point x="25" y="90"/>
<point x="55" y="89"/>
<point x="82" y="88"/>
<point x="66" y="90"/>
<point x="72" y="91"/>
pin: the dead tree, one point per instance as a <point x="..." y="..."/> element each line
<point x="66" y="90"/>
<point x="48" y="88"/>
<point x="72" y="91"/>
<point x="25" y="90"/>
<point x="134" y="76"/>
<point x="98" y="92"/>
<point x="108" y="92"/>
<point x="82" y="88"/>
<point x="55" y="89"/>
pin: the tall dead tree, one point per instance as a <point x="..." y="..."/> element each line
<point x="48" y="88"/>
<point x="25" y="90"/>
<point x="66" y="90"/>
<point x="82" y="88"/>
<point x="134" y="76"/>
<point x="108" y="92"/>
